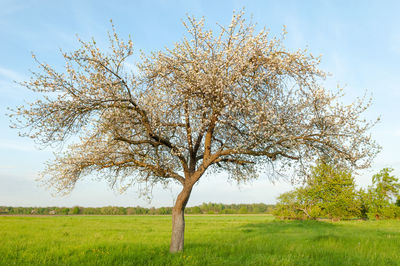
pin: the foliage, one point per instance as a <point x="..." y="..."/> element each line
<point x="329" y="192"/>
<point x="205" y="208"/>
<point x="386" y="186"/>
<point x="75" y="210"/>
<point x="378" y="202"/>
<point x="333" y="190"/>
<point x="295" y="205"/>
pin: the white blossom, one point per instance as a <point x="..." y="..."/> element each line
<point x="235" y="100"/>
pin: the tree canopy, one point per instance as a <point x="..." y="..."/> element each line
<point x="378" y="201"/>
<point x="234" y="100"/>
<point x="330" y="191"/>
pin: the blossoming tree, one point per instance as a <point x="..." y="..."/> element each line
<point x="234" y="101"/>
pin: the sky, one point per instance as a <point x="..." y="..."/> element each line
<point x="359" y="42"/>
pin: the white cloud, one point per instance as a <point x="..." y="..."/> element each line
<point x="397" y="133"/>
<point x="10" y="88"/>
<point x="10" y="75"/>
<point x="12" y="145"/>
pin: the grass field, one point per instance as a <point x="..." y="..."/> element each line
<point x="210" y="240"/>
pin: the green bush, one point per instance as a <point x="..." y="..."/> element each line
<point x="243" y="210"/>
<point x="329" y="192"/>
<point x="75" y="210"/>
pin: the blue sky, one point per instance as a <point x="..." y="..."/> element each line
<point x="359" y="43"/>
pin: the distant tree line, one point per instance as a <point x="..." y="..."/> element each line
<point x="330" y="192"/>
<point x="205" y="208"/>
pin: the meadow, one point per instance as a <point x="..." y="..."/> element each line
<point x="209" y="240"/>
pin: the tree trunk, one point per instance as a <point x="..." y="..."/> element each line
<point x="178" y="231"/>
<point x="178" y="220"/>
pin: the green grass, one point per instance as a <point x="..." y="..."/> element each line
<point x="210" y="240"/>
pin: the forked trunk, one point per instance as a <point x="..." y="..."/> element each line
<point x="178" y="220"/>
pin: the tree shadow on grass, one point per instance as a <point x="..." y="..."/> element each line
<point x="302" y="226"/>
<point x="278" y="226"/>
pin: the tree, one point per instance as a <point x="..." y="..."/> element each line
<point x="387" y="186"/>
<point x="329" y="191"/>
<point x="75" y="210"/>
<point x="235" y="101"/>
<point x="381" y="195"/>
<point x="243" y="210"/>
<point x="296" y="205"/>
<point x="334" y="190"/>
